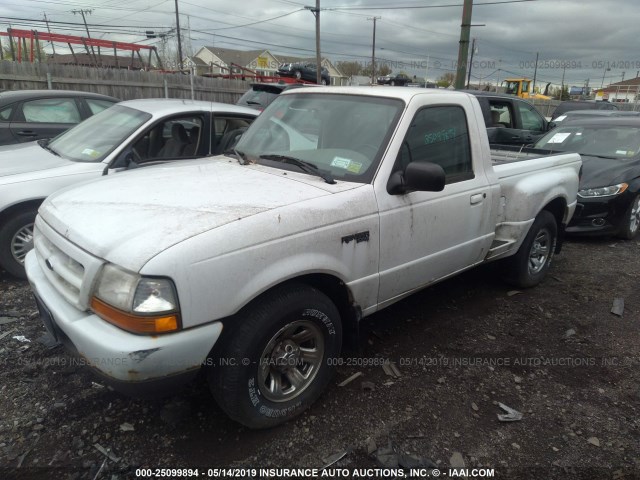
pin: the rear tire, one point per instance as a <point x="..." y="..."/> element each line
<point x="278" y="358"/>
<point x="530" y="264"/>
<point x="16" y="240"/>
<point x="631" y="225"/>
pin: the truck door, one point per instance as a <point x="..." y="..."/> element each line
<point x="425" y="236"/>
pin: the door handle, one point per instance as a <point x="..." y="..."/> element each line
<point x="515" y="137"/>
<point x="27" y="133"/>
<point x="477" y="198"/>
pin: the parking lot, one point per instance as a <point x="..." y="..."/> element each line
<point x="554" y="353"/>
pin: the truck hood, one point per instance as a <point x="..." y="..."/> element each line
<point x="130" y="217"/>
<point x="27" y="157"/>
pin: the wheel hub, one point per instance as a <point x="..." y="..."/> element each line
<point x="634" y="221"/>
<point x="291" y="360"/>
<point x="286" y="355"/>
<point x="22" y="243"/>
<point x="540" y="251"/>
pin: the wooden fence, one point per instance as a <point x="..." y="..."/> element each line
<point x="120" y="83"/>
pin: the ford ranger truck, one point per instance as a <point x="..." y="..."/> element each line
<point x="335" y="203"/>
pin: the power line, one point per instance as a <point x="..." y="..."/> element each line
<point x="259" y="21"/>
<point x="76" y="23"/>
<point x="407" y="7"/>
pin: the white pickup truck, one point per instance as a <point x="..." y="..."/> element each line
<point x="336" y="203"/>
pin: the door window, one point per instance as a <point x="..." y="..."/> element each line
<point x="178" y="137"/>
<point x="5" y="113"/>
<point x="51" y="110"/>
<point x="531" y="119"/>
<point x="439" y="135"/>
<point x="501" y="114"/>
<point x="227" y="132"/>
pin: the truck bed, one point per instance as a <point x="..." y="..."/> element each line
<point x="506" y="154"/>
<point x="518" y="161"/>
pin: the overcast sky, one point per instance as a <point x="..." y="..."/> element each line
<point x="584" y="37"/>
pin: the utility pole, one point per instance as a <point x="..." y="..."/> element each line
<point x="586" y="88"/>
<point x="373" y="51"/>
<point x="426" y="73"/>
<point x="82" y="12"/>
<point x="49" y="30"/>
<point x="473" y="49"/>
<point x="316" y="13"/>
<point x="562" y="86"/>
<point x="535" y="74"/>
<point x="179" y="41"/>
<point x="188" y="42"/>
<point x="463" y="50"/>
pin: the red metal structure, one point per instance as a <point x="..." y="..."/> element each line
<point x="19" y="38"/>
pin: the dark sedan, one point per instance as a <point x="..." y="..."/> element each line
<point x="28" y="115"/>
<point x="397" y="79"/>
<point x="304" y="71"/>
<point x="609" y="195"/>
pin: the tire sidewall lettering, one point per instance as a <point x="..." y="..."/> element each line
<point x="326" y="321"/>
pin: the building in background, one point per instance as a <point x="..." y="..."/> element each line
<point x="222" y="61"/>
<point x="627" y="91"/>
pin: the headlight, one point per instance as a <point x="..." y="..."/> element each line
<point x="135" y="303"/>
<point x="603" y="191"/>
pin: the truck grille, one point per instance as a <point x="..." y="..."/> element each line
<point x="69" y="269"/>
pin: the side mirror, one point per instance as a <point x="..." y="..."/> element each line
<point x="551" y="125"/>
<point x="418" y="176"/>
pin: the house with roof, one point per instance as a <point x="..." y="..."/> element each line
<point x="626" y="91"/>
<point x="220" y="61"/>
<point x="196" y="64"/>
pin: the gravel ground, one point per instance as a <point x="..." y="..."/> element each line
<point x="555" y="353"/>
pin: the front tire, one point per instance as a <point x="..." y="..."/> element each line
<point x="530" y="264"/>
<point x="278" y="360"/>
<point x="16" y="240"/>
<point x="631" y="222"/>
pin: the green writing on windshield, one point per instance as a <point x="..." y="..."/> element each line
<point x="439" y="136"/>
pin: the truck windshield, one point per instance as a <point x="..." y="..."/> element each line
<point x="343" y="135"/>
<point x="612" y="141"/>
<point x="96" y="137"/>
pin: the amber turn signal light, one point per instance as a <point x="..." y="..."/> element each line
<point x="135" y="323"/>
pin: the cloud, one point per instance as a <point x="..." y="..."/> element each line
<point x="573" y="38"/>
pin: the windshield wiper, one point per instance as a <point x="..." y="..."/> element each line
<point x="306" y="167"/>
<point x="44" y="143"/>
<point x="608" y="157"/>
